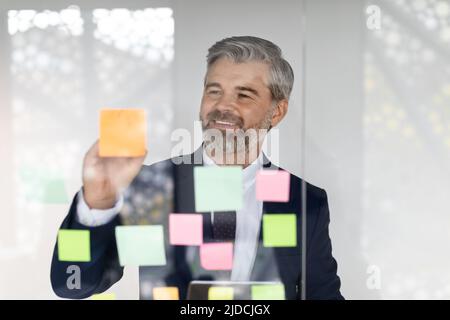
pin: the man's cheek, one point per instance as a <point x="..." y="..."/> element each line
<point x="202" y="112"/>
<point x="204" y="116"/>
<point x="205" y="109"/>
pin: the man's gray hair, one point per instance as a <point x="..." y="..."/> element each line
<point x="247" y="48"/>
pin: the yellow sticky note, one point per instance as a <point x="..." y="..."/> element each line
<point x="104" y="296"/>
<point x="123" y="133"/>
<point x="166" y="293"/>
<point x="220" y="293"/>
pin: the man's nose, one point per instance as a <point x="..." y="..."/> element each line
<point x="227" y="102"/>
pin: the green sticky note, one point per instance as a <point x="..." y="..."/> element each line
<point x="268" y="292"/>
<point x="54" y="191"/>
<point x="141" y="245"/>
<point x="74" y="245"/>
<point x="43" y="186"/>
<point x="220" y="293"/>
<point x="279" y="230"/>
<point x="218" y="188"/>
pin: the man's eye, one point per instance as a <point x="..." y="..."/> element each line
<point x="213" y="92"/>
<point x="241" y="95"/>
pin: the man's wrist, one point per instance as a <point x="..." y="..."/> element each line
<point x="99" y="203"/>
<point x="95" y="217"/>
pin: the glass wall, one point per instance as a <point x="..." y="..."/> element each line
<point x="367" y="127"/>
<point x="62" y="65"/>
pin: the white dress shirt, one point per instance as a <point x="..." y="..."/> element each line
<point x="248" y="220"/>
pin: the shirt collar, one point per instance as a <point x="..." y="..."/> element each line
<point x="248" y="173"/>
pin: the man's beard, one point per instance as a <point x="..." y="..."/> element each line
<point x="240" y="141"/>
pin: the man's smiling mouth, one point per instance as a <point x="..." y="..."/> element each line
<point x="220" y="124"/>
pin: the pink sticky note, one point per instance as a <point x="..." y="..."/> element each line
<point x="216" y="256"/>
<point x="186" y="229"/>
<point x="272" y="185"/>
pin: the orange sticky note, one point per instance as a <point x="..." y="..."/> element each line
<point x="216" y="256"/>
<point x="123" y="133"/>
<point x="166" y="293"/>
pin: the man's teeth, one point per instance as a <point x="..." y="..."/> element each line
<point x="225" y="123"/>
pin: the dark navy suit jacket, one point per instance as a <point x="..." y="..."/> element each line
<point x="168" y="186"/>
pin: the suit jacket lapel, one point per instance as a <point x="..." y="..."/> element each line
<point x="184" y="189"/>
<point x="271" y="263"/>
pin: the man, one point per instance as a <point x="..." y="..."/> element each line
<point x="246" y="92"/>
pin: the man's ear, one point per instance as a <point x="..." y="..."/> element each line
<point x="279" y="112"/>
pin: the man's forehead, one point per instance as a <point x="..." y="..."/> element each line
<point x="224" y="72"/>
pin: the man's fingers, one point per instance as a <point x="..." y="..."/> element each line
<point x="89" y="162"/>
<point x="93" y="150"/>
<point x="137" y="159"/>
<point x="140" y="160"/>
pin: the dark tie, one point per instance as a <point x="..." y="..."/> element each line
<point x="224" y="225"/>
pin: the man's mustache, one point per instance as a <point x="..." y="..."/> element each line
<point x="217" y="115"/>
